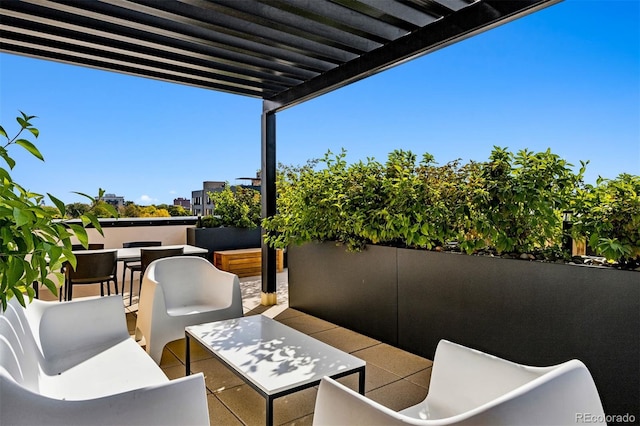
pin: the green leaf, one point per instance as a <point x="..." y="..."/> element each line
<point x="30" y="147"/>
<point x="52" y="286"/>
<point x="21" y="217"/>
<point x="80" y="233"/>
<point x="59" y="204"/>
<point x="83" y="195"/>
<point x="93" y="220"/>
<point x="18" y="295"/>
<point x="10" y="161"/>
<point x="3" y="133"/>
<point x="27" y="117"/>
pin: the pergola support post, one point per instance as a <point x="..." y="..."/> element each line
<point x="268" y="193"/>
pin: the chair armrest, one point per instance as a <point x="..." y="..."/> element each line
<point x="179" y="402"/>
<point x="336" y="404"/>
<point x="73" y="327"/>
<point x="463" y="374"/>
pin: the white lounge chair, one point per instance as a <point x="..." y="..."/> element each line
<point x="469" y="387"/>
<point x="74" y="363"/>
<point x="182" y="291"/>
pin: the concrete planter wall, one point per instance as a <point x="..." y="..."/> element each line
<point x="224" y="238"/>
<point x="529" y="312"/>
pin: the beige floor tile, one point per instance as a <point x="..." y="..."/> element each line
<point x="304" y="421"/>
<point x="131" y="323"/>
<point x="257" y="310"/>
<point x="307" y="324"/>
<point x="174" y="371"/>
<point x="294" y="406"/>
<point x="169" y="359"/>
<point x="244" y="403"/>
<point x="217" y="376"/>
<point x="289" y="313"/>
<point x="392" y="359"/>
<point x="398" y="395"/>
<point x="219" y="414"/>
<point x="345" y="340"/>
<point x="374" y="378"/>
<point x="421" y="378"/>
<point x="250" y="406"/>
<point x="178" y="348"/>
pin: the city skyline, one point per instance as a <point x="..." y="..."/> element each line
<point x="565" y="78"/>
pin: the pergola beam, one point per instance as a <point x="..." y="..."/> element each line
<point x="467" y="22"/>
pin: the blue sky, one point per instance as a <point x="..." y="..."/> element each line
<point x="565" y="78"/>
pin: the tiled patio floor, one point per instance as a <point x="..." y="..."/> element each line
<point x="394" y="378"/>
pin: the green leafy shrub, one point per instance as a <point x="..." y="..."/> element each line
<point x="33" y="244"/>
<point x="518" y="206"/>
<point x="608" y="213"/>
<point x="511" y="203"/>
<point x="239" y="207"/>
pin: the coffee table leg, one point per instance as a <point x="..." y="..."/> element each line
<point x="269" y="411"/>
<point x="187" y="360"/>
<point x="361" y="381"/>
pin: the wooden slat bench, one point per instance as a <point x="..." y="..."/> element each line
<point x="244" y="262"/>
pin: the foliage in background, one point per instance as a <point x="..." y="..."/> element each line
<point x="239" y="207"/>
<point x="609" y="213"/>
<point x="33" y="244"/>
<point x="511" y="203"/>
<point x="75" y="210"/>
<point x="130" y="209"/>
<point x="174" y="210"/>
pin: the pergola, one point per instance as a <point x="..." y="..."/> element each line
<point x="281" y="51"/>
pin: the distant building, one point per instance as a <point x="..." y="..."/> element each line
<point x="256" y="182"/>
<point x="113" y="199"/>
<point x="201" y="204"/>
<point x="185" y="203"/>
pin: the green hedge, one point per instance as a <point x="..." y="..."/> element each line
<point x="513" y="202"/>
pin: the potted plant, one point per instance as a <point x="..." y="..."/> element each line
<point x="395" y="284"/>
<point x="34" y="243"/>
<point x="234" y="224"/>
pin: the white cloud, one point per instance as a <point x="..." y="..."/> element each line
<point x="173" y="192"/>
<point x="146" y="200"/>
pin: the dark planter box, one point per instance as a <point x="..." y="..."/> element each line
<point x="529" y="312"/>
<point x="224" y="238"/>
<point x="349" y="289"/>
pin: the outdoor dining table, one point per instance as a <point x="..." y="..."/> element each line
<point x="133" y="254"/>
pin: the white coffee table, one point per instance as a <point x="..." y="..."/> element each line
<point x="272" y="358"/>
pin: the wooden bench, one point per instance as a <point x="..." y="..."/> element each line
<point x="244" y="262"/>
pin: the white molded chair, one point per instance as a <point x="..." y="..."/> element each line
<point x="74" y="363"/>
<point x="182" y="291"/>
<point x="470" y="387"/>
